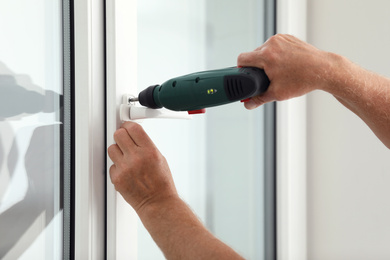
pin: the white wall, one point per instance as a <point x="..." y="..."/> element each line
<point x="348" y="168"/>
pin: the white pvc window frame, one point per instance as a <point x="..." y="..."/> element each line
<point x="89" y="130"/>
<point x="121" y="55"/>
<point x="291" y="149"/>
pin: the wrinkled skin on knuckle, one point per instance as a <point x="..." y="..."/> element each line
<point x="275" y="41"/>
<point x="274" y="52"/>
<point x="270" y="55"/>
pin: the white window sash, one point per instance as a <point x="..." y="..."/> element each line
<point x="89" y="130"/>
<point x="121" y="53"/>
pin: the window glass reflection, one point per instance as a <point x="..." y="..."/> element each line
<point x="30" y="129"/>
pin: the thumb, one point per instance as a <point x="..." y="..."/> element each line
<point x="250" y="59"/>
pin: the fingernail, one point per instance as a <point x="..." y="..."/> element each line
<point x="250" y="104"/>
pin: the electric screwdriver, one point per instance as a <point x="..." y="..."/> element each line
<point x="197" y="91"/>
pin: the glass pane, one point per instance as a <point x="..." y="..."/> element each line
<point x="217" y="159"/>
<point x="30" y="129"/>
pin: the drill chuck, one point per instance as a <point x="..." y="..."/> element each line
<point x="146" y="98"/>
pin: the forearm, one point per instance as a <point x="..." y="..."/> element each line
<point x="179" y="233"/>
<point x="363" y="92"/>
<point x="142" y="176"/>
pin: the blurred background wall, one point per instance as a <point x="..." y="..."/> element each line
<point x="348" y="170"/>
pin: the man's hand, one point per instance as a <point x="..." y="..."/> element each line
<point x="140" y="172"/>
<point x="294" y="68"/>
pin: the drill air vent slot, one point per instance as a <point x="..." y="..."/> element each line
<point x="237" y="87"/>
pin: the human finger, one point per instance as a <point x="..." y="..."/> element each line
<point x="114" y="153"/>
<point x="250" y="59"/>
<point x="123" y="140"/>
<point x="259" y="100"/>
<point x="137" y="134"/>
<point x="113" y="174"/>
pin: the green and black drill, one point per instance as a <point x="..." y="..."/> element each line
<point x="197" y="91"/>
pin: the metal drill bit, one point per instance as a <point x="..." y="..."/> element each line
<point x="133" y="99"/>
